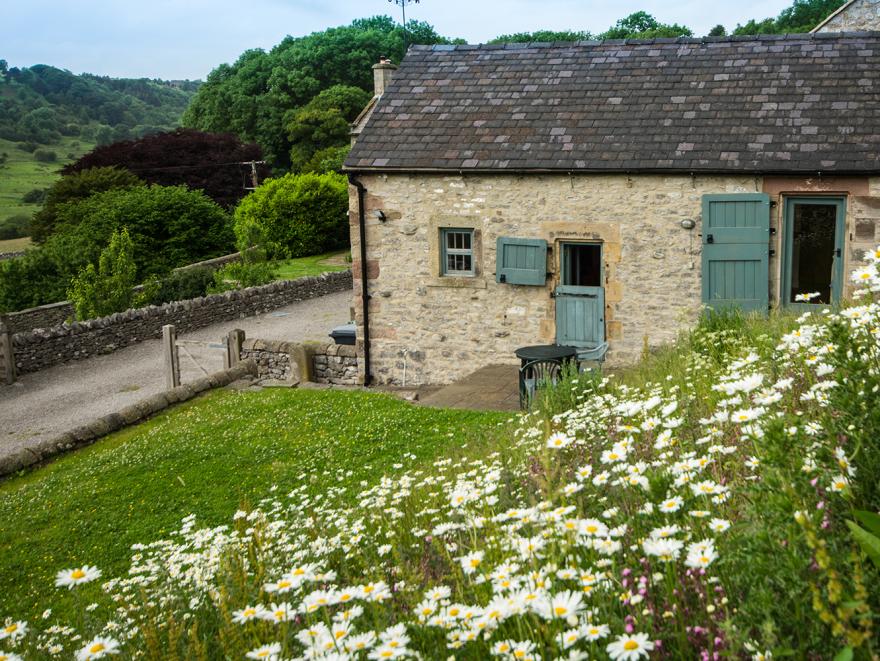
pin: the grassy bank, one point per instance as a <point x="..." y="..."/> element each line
<point x="207" y="457"/>
<point x="291" y="269"/>
<point x="22" y="173"/>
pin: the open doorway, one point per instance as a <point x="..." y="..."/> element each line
<point x="813" y="245"/>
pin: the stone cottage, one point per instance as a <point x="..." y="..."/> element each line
<point x="593" y="192"/>
<point x="853" y="15"/>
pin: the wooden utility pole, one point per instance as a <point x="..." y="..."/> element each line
<point x="7" y="353"/>
<point x="172" y="358"/>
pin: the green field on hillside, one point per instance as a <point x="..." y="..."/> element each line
<point x="22" y="173"/>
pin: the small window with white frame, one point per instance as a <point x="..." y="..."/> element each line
<point x="457" y="252"/>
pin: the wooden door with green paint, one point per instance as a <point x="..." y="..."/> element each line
<point x="736" y="251"/>
<point x="580" y="296"/>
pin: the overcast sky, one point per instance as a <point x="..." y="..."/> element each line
<point x="187" y="38"/>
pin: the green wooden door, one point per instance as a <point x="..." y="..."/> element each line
<point x="580" y="316"/>
<point x="580" y="297"/>
<point x="736" y="251"/>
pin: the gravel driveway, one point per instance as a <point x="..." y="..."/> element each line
<point x="52" y="401"/>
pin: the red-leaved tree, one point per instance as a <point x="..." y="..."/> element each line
<point x="216" y="163"/>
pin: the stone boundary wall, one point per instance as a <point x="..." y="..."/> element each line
<point x="53" y="314"/>
<point x="11" y="255"/>
<point x="45" y="347"/>
<point x="294" y="363"/>
<point x="128" y="415"/>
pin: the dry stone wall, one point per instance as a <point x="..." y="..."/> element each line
<point x="45" y="347"/>
<point x="327" y="362"/>
<point x="53" y="314"/>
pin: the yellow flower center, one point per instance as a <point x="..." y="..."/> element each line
<point x="12" y="628"/>
<point x="283" y="584"/>
<point x="97" y="647"/>
<point x="630" y="645"/>
<point x="340" y="634"/>
<point x="560" y="610"/>
<point x="519" y="654"/>
<point x="386" y="654"/>
<point x="249" y="612"/>
<point x="77" y="574"/>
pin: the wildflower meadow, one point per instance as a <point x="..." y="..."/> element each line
<point x="723" y="507"/>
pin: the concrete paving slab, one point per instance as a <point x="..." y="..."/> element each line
<point x="490" y="388"/>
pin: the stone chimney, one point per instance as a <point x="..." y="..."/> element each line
<point x="382" y="73"/>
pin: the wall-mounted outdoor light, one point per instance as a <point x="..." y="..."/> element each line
<point x="687" y="224"/>
<point x="380" y="215"/>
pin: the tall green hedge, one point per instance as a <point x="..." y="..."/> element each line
<point x="297" y="215"/>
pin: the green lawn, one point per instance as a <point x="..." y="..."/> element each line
<point x="22" y="173"/>
<point x="15" y="245"/>
<point x="206" y="457"/>
<point x="292" y="269"/>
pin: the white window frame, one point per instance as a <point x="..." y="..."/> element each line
<point x="445" y="251"/>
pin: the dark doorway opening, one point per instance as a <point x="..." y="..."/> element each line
<point x="813" y="242"/>
<point x="582" y="264"/>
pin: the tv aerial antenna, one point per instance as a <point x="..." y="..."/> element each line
<point x="402" y="4"/>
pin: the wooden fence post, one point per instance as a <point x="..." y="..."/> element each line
<point x="234" y="340"/>
<point x="172" y="358"/>
<point x="7" y="353"/>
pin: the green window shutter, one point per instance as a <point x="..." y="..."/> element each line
<point x="736" y="251"/>
<point x="521" y="261"/>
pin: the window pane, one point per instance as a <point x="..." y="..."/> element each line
<point x="466" y="240"/>
<point x="466" y="263"/>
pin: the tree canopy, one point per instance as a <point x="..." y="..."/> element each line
<point x="802" y="16"/>
<point x="254" y="97"/>
<point x="41" y="103"/>
<point x="201" y="161"/>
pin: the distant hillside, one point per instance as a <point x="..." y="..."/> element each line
<point x="42" y="103"/>
<point x="49" y="117"/>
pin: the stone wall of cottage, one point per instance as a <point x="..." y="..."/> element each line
<point x="859" y="16"/>
<point x="440" y="329"/>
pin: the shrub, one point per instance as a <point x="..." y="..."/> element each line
<point x="14" y="227"/>
<point x="34" y="196"/>
<point x="45" y="156"/>
<point x="27" y="147"/>
<point x="109" y="288"/>
<point x="300" y="215"/>
<point x="74" y="187"/>
<point x="169" y="225"/>
<point x="182" y="285"/>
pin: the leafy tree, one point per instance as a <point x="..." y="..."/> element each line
<point x="170" y="226"/>
<point x="297" y="215"/>
<point x="253" y="96"/>
<point x="109" y="288"/>
<point x="542" y="35"/>
<point x="324" y="122"/>
<point x="642" y="25"/>
<point x="14" y="227"/>
<point x="802" y="16"/>
<point x="45" y="156"/>
<point x="327" y="160"/>
<point x="198" y="160"/>
<point x="73" y="187"/>
<point x="718" y="31"/>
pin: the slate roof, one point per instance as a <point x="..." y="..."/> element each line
<point x="767" y="104"/>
